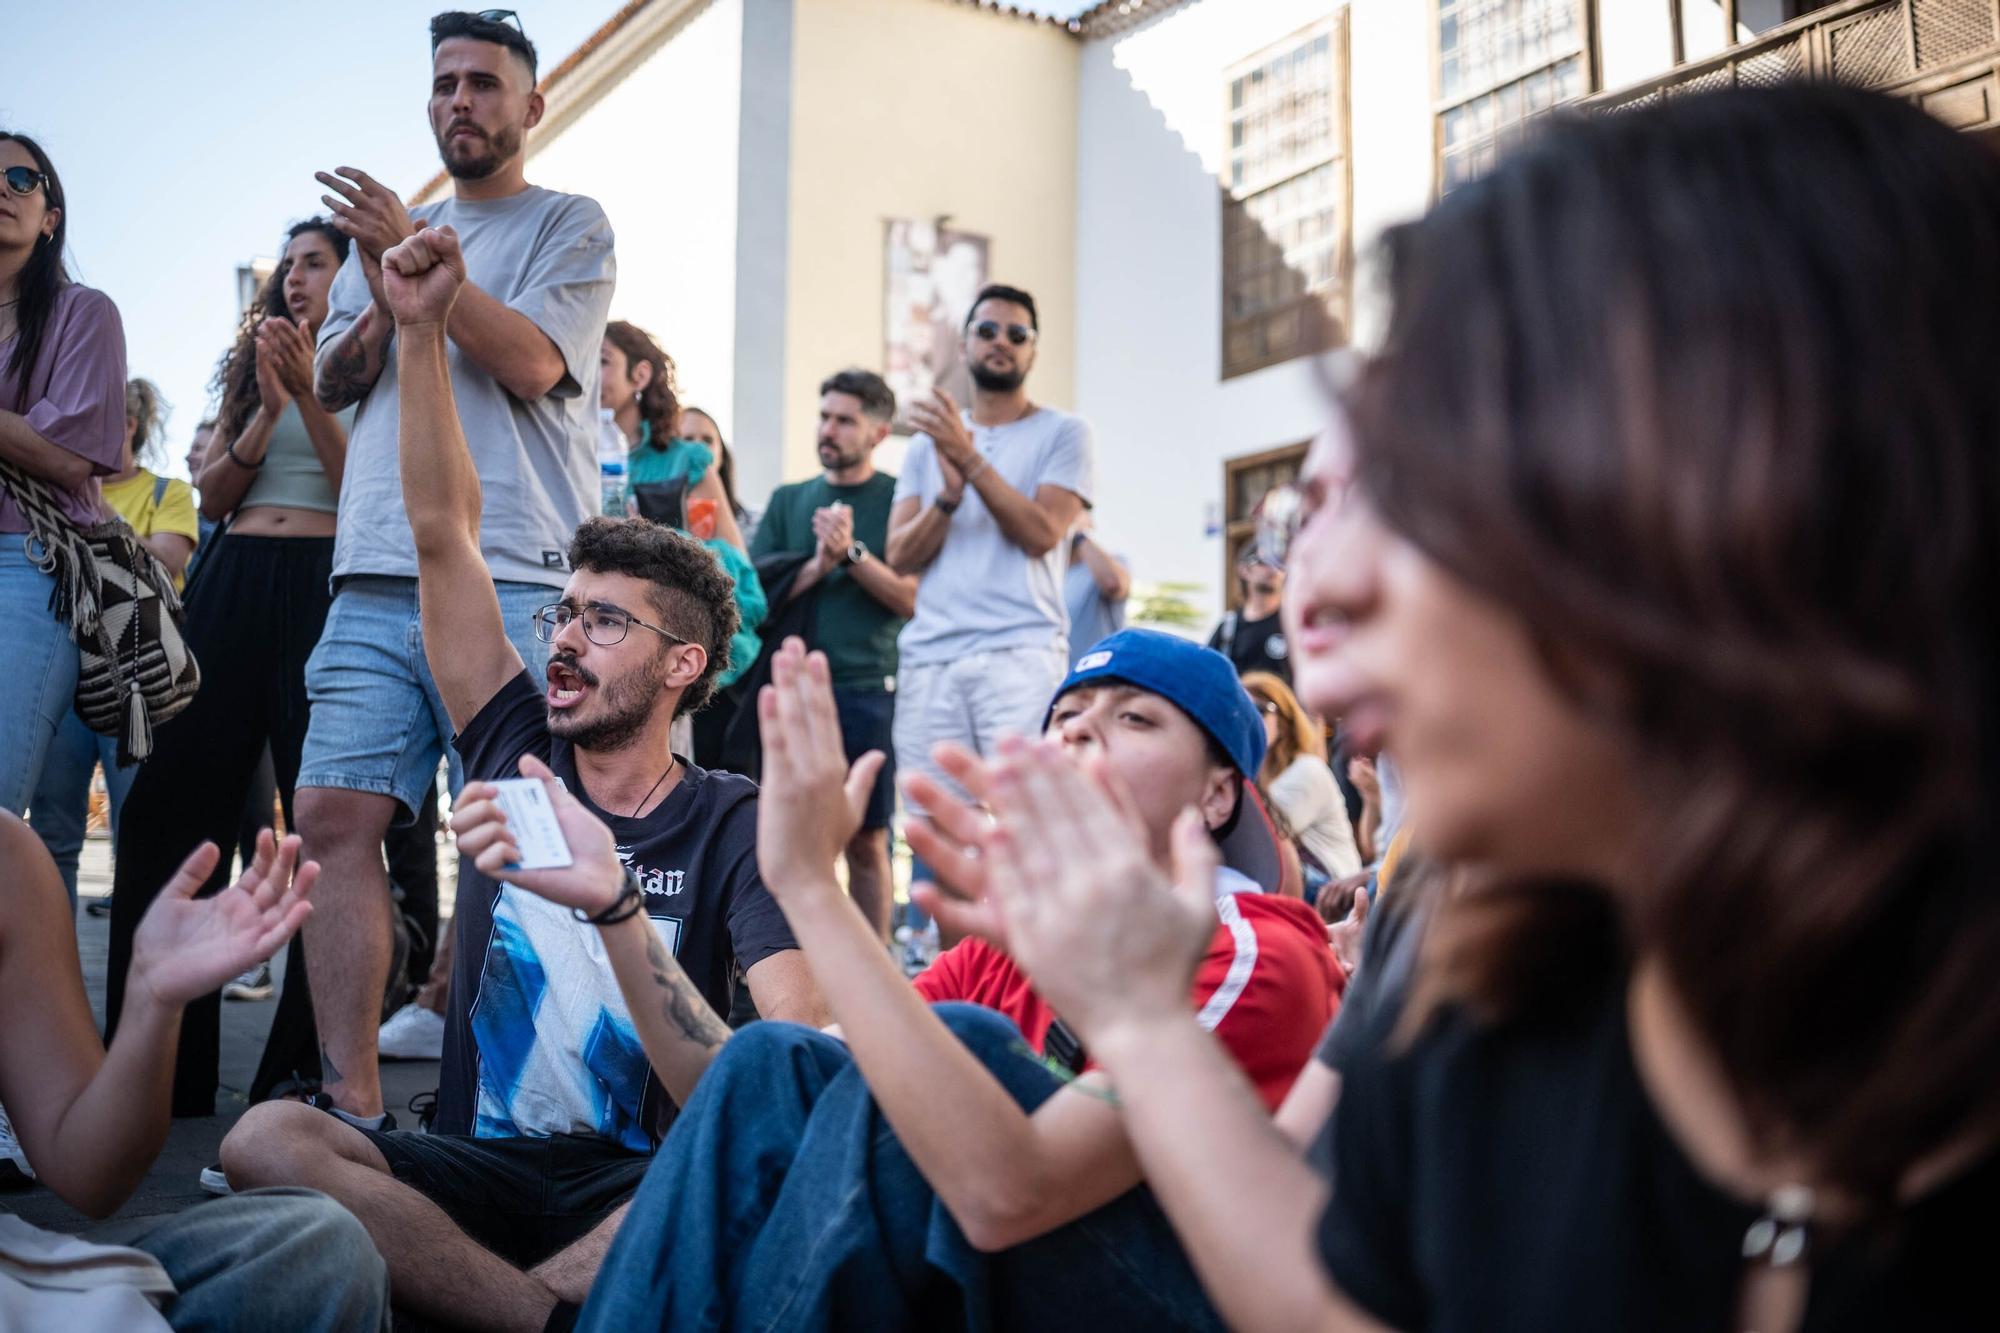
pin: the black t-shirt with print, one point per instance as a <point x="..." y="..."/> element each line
<point x="695" y="856"/>
<point x="1254" y="645"/>
<point x="1518" y="1177"/>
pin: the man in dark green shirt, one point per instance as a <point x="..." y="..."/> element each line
<point x="841" y="518"/>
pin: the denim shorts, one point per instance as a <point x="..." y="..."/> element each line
<point x="40" y="662"/>
<point x="868" y="722"/>
<point x="378" y="723"/>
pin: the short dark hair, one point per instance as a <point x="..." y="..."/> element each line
<point x="695" y="597"/>
<point x="878" y="400"/>
<point x="464" y="23"/>
<point x="1000" y="291"/>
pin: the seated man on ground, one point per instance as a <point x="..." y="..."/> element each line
<point x="92" y="1121"/>
<point x="547" y="1115"/>
<point x="964" y="1163"/>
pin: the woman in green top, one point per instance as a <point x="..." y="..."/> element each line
<point x="636" y="384"/>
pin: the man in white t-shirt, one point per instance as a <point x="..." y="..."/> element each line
<point x="983" y="510"/>
<point x="523" y="346"/>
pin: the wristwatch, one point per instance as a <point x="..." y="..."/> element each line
<point x="856" y="553"/>
<point x="946" y="507"/>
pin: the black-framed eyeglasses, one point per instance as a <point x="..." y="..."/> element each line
<point x="26" y="180"/>
<point x="604" y="626"/>
<point x="989" y="330"/>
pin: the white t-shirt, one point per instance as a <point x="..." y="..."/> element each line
<point x="982" y="592"/>
<point x="1309" y="799"/>
<point x="548" y="256"/>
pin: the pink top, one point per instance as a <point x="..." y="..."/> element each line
<point x="76" y="395"/>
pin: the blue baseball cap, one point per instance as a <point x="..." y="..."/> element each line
<point x="1199" y="681"/>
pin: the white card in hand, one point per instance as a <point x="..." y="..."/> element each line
<point x="531" y="823"/>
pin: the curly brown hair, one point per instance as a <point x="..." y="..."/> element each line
<point x="235" y="379"/>
<point x="694" y="595"/>
<point x="659" y="401"/>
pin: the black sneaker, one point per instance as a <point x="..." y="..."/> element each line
<point x="325" y="1103"/>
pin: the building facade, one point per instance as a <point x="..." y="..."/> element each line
<point x="1192" y="188"/>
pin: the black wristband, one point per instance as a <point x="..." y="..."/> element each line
<point x="631" y="900"/>
<point x="947" y="507"/>
<point x="230" y="450"/>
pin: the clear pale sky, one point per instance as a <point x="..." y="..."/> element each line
<point x="187" y="135"/>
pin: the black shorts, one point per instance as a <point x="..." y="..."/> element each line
<point x="522" y="1198"/>
<point x="868" y="722"/>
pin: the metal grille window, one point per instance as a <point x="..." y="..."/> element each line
<point x="1501" y="62"/>
<point x="1285" y="214"/>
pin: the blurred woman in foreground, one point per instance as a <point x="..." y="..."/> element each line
<point x="1666" y="571"/>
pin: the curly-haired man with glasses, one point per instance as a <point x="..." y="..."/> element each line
<point x="547" y="1110"/>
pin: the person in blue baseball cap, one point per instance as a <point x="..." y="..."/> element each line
<point x="989" y="1132"/>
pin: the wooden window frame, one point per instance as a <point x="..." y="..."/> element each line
<point x="1589" y="53"/>
<point x="1323" y="319"/>
<point x="1240" y="528"/>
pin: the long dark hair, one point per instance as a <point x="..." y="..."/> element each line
<point x="659" y="401"/>
<point x="235" y="380"/>
<point x="41" y="278"/>
<point x="1704" y="394"/>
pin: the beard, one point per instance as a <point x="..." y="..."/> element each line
<point x="833" y="460"/>
<point x="476" y="159"/>
<point x="622" y="711"/>
<point x="997" y="381"/>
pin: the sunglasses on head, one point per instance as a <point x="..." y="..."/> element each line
<point x="506" y="16"/>
<point x="988" y="330"/>
<point x="25" y="180"/>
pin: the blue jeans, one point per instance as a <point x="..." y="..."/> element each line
<point x="265" y="1259"/>
<point x="39" y="664"/>
<point x="61" y="804"/>
<point x="782" y="1199"/>
<point x="377" y="723"/>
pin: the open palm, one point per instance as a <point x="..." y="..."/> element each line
<point x="186" y="947"/>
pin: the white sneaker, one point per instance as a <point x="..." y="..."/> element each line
<point x="254" y="984"/>
<point x="15" y="1173"/>
<point x="412" y="1033"/>
<point x="213" y="1181"/>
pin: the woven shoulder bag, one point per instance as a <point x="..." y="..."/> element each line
<point x="119" y="603"/>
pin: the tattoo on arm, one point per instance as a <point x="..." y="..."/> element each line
<point x="329" y="1072"/>
<point x="682" y="1005"/>
<point x="345" y="377"/>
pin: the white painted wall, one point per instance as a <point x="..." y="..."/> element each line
<point x="659" y="153"/>
<point x="1150" y="145"/>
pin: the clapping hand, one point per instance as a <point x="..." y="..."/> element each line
<point x="273" y="393"/>
<point x="288" y="348"/>
<point x="937" y="417"/>
<point x="593" y="879"/>
<point x="366" y="210"/>
<point x="186" y="947"/>
<point x="949" y="838"/>
<point x="422" y="275"/>
<point x="1105" y="935"/>
<point x="833" y="526"/>
<point x="812" y="802"/>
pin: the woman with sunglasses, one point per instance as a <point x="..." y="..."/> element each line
<point x="1667" y="567"/>
<point x="62" y="422"/>
<point x="273" y="471"/>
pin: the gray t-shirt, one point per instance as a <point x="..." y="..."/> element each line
<point x="982" y="592"/>
<point x="548" y="256"/>
<point x="1092" y="615"/>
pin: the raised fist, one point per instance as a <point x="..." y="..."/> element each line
<point x="421" y="276"/>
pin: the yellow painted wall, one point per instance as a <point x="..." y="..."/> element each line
<point x="912" y="108"/>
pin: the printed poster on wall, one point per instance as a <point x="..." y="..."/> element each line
<point x="931" y="274"/>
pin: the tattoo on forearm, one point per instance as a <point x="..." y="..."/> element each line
<point x="682" y="1005"/>
<point x="345" y="378"/>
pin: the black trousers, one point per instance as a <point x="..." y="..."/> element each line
<point x="253" y="617"/>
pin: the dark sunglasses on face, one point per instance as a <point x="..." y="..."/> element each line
<point x="987" y="330"/>
<point x="25" y="180"/>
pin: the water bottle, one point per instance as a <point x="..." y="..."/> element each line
<point x="610" y="465"/>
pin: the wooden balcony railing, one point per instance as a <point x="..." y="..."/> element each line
<point x="1944" y="55"/>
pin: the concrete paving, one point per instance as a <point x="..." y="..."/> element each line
<point x="174" y="1182"/>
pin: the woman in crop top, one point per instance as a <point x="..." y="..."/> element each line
<point x="254" y="613"/>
